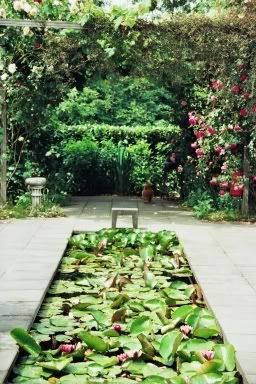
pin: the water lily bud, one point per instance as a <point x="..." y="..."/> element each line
<point x="208" y="355"/>
<point x="117" y="327"/>
<point x="186" y="329"/>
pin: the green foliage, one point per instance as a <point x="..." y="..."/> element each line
<point x="26" y="341"/>
<point x="117" y="101"/>
<point x="122" y="168"/>
<point x="80" y="162"/>
<point x="23" y="207"/>
<point x="228" y="203"/>
<point x="203" y="207"/>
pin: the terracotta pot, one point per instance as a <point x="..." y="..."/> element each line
<point x="147" y="193"/>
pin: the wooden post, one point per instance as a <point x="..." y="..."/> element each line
<point x="246" y="172"/>
<point x="3" y="162"/>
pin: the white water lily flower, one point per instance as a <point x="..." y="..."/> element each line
<point x="4" y="76"/>
<point x="12" y="68"/>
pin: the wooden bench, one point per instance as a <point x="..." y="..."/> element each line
<point x="134" y="212"/>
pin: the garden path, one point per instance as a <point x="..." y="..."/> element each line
<point x="222" y="257"/>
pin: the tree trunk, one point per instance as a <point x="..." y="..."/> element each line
<point x="3" y="163"/>
<point x="246" y="172"/>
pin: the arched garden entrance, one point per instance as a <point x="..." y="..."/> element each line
<point x="196" y="76"/>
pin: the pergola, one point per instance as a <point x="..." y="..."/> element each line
<point x="3" y="104"/>
<point x="3" y="108"/>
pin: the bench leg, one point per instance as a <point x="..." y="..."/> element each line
<point x="114" y="219"/>
<point x="135" y="221"/>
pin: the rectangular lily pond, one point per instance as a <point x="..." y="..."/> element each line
<point x="124" y="308"/>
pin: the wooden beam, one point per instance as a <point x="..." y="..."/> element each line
<point x="39" y="24"/>
<point x="3" y="152"/>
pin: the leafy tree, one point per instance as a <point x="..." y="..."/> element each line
<point x="118" y="101"/>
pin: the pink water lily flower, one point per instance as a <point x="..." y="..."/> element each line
<point x="122" y="357"/>
<point x="67" y="348"/>
<point x="208" y="355"/>
<point x="134" y="353"/>
<point x="186" y="329"/>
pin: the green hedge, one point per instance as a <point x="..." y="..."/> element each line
<point x="101" y="132"/>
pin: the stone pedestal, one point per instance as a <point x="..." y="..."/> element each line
<point x="36" y="185"/>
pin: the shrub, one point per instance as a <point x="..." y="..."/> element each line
<point x="80" y="161"/>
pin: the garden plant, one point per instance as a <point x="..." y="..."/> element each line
<point x="124" y="308"/>
<point x="131" y="75"/>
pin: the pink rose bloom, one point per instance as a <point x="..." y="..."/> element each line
<point x="247" y="96"/>
<point x="199" y="134"/>
<point x="221" y="192"/>
<point x="236" y="88"/>
<point x="243" y="112"/>
<point x="214" y="182"/>
<point x="219" y="151"/>
<point x="253" y="108"/>
<point x="211" y="131"/>
<point x="199" y="152"/>
<point x="194" y="145"/>
<point x="67" y="348"/>
<point x="186" y="329"/>
<point x="244" y="76"/>
<point x="193" y="120"/>
<point x="117" y="327"/>
<point x="208" y="355"/>
<point x="217" y="85"/>
<point x="224" y="167"/>
<point x="237" y="128"/>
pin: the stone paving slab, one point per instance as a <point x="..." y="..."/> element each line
<point x="30" y="252"/>
<point x="221" y="256"/>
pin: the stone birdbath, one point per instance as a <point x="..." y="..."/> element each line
<point x="36" y="185"/>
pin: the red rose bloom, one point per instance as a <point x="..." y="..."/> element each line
<point x="243" y="112"/>
<point x="211" y="131"/>
<point x="236" y="89"/>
